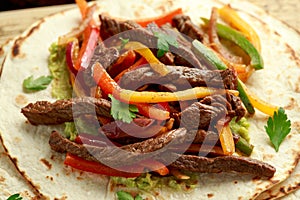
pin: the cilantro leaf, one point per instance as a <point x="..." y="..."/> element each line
<point x="123" y="42"/>
<point x="163" y="42"/>
<point x="278" y="128"/>
<point x="15" y="197"/>
<point x="30" y="84"/>
<point x="122" y="111"/>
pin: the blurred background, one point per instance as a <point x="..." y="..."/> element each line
<point x="19" y="4"/>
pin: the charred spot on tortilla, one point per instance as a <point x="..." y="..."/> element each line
<point x="2" y="179"/>
<point x="21" y="100"/>
<point x="16" y="48"/>
<point x="46" y="163"/>
<point x="293" y="54"/>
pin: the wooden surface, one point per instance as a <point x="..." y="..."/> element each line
<point x="13" y="23"/>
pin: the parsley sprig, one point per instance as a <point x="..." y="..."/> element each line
<point x="30" y="84"/>
<point x="122" y="111"/>
<point x="278" y="127"/>
<point x="163" y="42"/>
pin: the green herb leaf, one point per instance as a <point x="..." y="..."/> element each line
<point x="163" y="43"/>
<point x="15" y="197"/>
<point x="278" y="128"/>
<point x="123" y="42"/>
<point x="138" y="197"/>
<point x="122" y="195"/>
<point x="30" y="84"/>
<point x="122" y="111"/>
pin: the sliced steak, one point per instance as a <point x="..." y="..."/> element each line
<point x="210" y="110"/>
<point x="105" y="56"/>
<point x="184" y="24"/>
<point x="128" y="154"/>
<point x="134" y="32"/>
<point x="47" y="113"/>
<point x="222" y="164"/>
<point x="201" y="116"/>
<point x="181" y="77"/>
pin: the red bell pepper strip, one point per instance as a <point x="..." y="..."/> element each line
<point x="124" y="62"/>
<point x="150" y="111"/>
<point x="136" y="65"/>
<point x="93" y="140"/>
<point x="87" y="49"/>
<point x="98" y="168"/>
<point x="160" y="20"/>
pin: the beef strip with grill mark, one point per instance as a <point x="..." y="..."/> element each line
<point x="210" y="110"/>
<point x="181" y="77"/>
<point x="220" y="164"/>
<point x="47" y="113"/>
<point x="184" y="24"/>
<point x="110" y="27"/>
<point x="128" y="154"/>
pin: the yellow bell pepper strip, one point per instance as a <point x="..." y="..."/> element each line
<point x="240" y="40"/>
<point x="230" y="16"/>
<point x="211" y="58"/>
<point x="109" y="86"/>
<point x="226" y="140"/>
<point x="258" y="103"/>
<point x="145" y="52"/>
<point x="160" y="20"/>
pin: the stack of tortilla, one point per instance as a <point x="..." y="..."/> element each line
<point x="29" y="167"/>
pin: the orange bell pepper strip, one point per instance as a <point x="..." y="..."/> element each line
<point x="99" y="168"/>
<point x="226" y="140"/>
<point x="160" y="20"/>
<point x="155" y="166"/>
<point x="231" y="17"/>
<point x="82" y="5"/>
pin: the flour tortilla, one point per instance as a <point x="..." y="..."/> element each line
<point x="44" y="169"/>
<point x="286" y="187"/>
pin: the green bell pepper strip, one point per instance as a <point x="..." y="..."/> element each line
<point x="244" y="146"/>
<point x="211" y="58"/>
<point x="240" y="40"/>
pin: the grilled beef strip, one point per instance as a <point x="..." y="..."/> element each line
<point x="220" y="164"/>
<point x="184" y="24"/>
<point x="110" y="27"/>
<point x="210" y="110"/>
<point x="47" y="113"/>
<point x="181" y="77"/>
<point x="128" y="154"/>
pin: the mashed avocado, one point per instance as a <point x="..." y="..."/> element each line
<point x="61" y="87"/>
<point x="149" y="181"/>
<point x="241" y="128"/>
